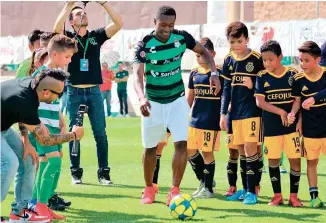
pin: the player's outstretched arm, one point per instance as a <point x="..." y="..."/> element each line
<point x="59" y="23"/>
<point x="43" y="136"/>
<point x="117" y="21"/>
<point x="214" y="80"/>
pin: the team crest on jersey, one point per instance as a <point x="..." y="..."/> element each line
<point x="250" y="66"/>
<point x="142" y="54"/>
<point x="290" y="81"/>
<point x="92" y="41"/>
<point x="177" y="44"/>
<point x="153" y="61"/>
<point x="265" y="150"/>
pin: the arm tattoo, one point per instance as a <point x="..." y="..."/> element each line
<point x="43" y="136"/>
<point x="22" y="128"/>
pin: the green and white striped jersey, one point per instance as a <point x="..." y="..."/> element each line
<point x="162" y="65"/>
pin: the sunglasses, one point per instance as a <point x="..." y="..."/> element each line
<point x="54" y="92"/>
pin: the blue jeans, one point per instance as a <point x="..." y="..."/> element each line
<point x="63" y="102"/>
<point x="14" y="167"/>
<point x="106" y="95"/>
<point x="123" y="100"/>
<point x="93" y="99"/>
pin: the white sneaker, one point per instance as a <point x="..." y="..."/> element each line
<point x="103" y="181"/>
<point x="75" y="181"/>
<point x="127" y="116"/>
<point x="201" y="186"/>
<point x="204" y="193"/>
<point x="119" y="116"/>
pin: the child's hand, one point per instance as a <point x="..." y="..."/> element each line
<point x="248" y="82"/>
<point x="291" y="118"/>
<point x="308" y="103"/>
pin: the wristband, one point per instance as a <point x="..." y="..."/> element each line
<point x="75" y="135"/>
<point x="214" y="73"/>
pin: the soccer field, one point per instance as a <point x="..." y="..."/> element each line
<point x="120" y="202"/>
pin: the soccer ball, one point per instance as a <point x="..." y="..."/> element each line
<point x="183" y="207"/>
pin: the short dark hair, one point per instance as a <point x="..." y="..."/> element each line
<point x="166" y="10"/>
<point x="70" y="14"/>
<point x="46" y="36"/>
<point x="61" y="43"/>
<point x="207" y="43"/>
<point x="57" y="74"/>
<point x="236" y="30"/>
<point x="34" y="36"/>
<point x="271" y="46"/>
<point x="311" y="48"/>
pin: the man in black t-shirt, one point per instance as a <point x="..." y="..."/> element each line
<point x="83" y="84"/>
<point x="19" y="104"/>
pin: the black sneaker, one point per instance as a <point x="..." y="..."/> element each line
<point x="76" y="174"/>
<point x="60" y="200"/>
<point x="55" y="205"/>
<point x="103" y="175"/>
<point x="3" y="220"/>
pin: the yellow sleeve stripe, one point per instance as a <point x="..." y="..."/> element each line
<point x="256" y="54"/>
<point x="225" y="77"/>
<point x="259" y="95"/>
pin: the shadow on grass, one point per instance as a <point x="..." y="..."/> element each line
<point x="260" y="213"/>
<point x="80" y="215"/>
<point x="97" y="196"/>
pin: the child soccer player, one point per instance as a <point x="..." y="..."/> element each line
<point x="309" y="86"/>
<point x="240" y="68"/>
<point x="273" y="96"/>
<point x="204" y="130"/>
<point x="60" y="49"/>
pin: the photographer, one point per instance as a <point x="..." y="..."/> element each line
<point x="20" y="100"/>
<point x="83" y="84"/>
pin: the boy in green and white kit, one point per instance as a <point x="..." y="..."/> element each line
<point x="61" y="49"/>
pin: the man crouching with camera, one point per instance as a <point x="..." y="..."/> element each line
<point x="20" y="100"/>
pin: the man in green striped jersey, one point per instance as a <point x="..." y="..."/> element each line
<point x="158" y="57"/>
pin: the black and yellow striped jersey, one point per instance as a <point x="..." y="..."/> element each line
<point x="242" y="99"/>
<point x="206" y="106"/>
<point x="313" y="120"/>
<point x="277" y="91"/>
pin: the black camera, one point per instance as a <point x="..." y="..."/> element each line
<point x="80" y="119"/>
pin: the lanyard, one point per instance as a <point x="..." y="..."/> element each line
<point x="86" y="45"/>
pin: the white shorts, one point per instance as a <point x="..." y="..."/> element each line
<point x="174" y="115"/>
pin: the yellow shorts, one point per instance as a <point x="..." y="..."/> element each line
<point x="204" y="140"/>
<point x="166" y="139"/>
<point x="247" y="130"/>
<point x="274" y="145"/>
<point x="229" y="142"/>
<point x="313" y="147"/>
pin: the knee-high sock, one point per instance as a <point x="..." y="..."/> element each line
<point x="38" y="178"/>
<point x="54" y="163"/>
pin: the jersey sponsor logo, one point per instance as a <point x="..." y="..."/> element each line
<point x="266" y="84"/>
<point x="290" y="80"/>
<point x="204" y="92"/>
<point x="238" y="79"/>
<point x="152" y="49"/>
<point x="252" y="135"/>
<point x="230" y="67"/>
<point x="298" y="150"/>
<point x="177" y="57"/>
<point x="142" y="54"/>
<point x="177" y="44"/>
<point x="304" y="88"/>
<point x="92" y="41"/>
<point x="250" y="66"/>
<point x="280" y="96"/>
<point x="167" y="62"/>
<point x="166" y="74"/>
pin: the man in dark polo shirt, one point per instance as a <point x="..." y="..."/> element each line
<point x="19" y="103"/>
<point x="85" y="78"/>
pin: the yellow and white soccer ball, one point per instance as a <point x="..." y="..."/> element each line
<point x="183" y="207"/>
